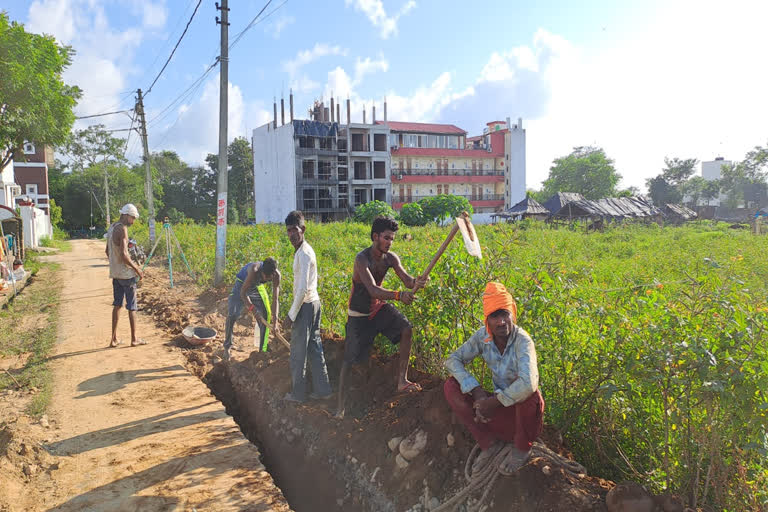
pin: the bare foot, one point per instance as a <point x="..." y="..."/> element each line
<point x="485" y="456"/>
<point x="408" y="387"/>
<point x="514" y="461"/>
<point x="136" y="343"/>
<point x="114" y="343"/>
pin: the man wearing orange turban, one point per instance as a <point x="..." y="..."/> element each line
<point x="514" y="411"/>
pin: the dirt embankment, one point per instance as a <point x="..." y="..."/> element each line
<point x="321" y="463"/>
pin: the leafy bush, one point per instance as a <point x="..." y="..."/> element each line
<point x="412" y="215"/>
<point x="444" y="206"/>
<point x="365" y="213"/>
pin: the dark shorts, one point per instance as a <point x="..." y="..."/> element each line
<point x="124" y="288"/>
<point x="360" y="332"/>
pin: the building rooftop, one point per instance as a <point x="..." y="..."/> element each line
<point x="442" y="129"/>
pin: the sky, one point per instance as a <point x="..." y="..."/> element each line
<point x="644" y="80"/>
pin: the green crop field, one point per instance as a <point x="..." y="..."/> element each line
<point x="652" y="342"/>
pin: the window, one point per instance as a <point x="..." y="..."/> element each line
<point x="324" y="170"/>
<point x="306" y="142"/>
<point x="380" y="194"/>
<point x="324" y="198"/>
<point x="341" y="144"/>
<point x="379" y="142"/>
<point x="308" y="169"/>
<point x="326" y="142"/>
<point x="409" y="193"/>
<point x="439" y="189"/>
<point x="343" y="188"/>
<point x="393" y="140"/>
<point x="342" y="171"/>
<point x="343" y="202"/>
<point x="361" y="196"/>
<point x="29" y="148"/>
<point x="402" y="193"/>
<point x="359" y="142"/>
<point x="309" y="199"/>
<point x="361" y="170"/>
<point x="379" y="170"/>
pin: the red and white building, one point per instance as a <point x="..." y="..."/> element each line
<point x="431" y="159"/>
<point x="30" y="167"/>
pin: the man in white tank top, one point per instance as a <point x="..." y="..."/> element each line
<point x="123" y="272"/>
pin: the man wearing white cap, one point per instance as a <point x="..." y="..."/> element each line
<point x="124" y="272"/>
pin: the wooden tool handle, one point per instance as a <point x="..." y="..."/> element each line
<point x="276" y="334"/>
<point x="440" y="251"/>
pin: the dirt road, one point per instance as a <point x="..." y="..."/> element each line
<point x="131" y="428"/>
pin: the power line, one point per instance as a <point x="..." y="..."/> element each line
<point x="174" y="48"/>
<point x="184" y="94"/>
<point x="254" y="22"/>
<point x="104" y="114"/>
<point x="167" y="41"/>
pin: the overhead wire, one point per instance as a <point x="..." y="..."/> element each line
<point x="167" y="41"/>
<point x="174" y="48"/>
<point x="103" y="114"/>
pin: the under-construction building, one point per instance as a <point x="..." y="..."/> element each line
<point x="319" y="165"/>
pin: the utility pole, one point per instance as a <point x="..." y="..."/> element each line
<point x="221" y="196"/>
<point x="147" y="169"/>
<point x="106" y="191"/>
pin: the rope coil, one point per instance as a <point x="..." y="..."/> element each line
<point x="486" y="477"/>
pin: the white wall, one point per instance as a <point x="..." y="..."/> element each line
<point x="36" y="226"/>
<point x="711" y="171"/>
<point x="7" y="181"/>
<point x="515" y="163"/>
<point x="274" y="173"/>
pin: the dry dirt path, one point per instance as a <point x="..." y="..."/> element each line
<point x="131" y="428"/>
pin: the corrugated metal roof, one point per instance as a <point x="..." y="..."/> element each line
<point x="528" y="206"/>
<point x="557" y="201"/>
<point x="305" y="127"/>
<point x="442" y="129"/>
<point x="679" y="211"/>
<point x="612" y="207"/>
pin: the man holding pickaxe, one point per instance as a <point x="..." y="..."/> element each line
<point x="369" y="314"/>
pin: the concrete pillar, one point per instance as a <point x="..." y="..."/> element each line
<point x="332" y="110"/>
<point x="274" y="119"/>
<point x="282" y="111"/>
<point x="373" y="115"/>
<point x="348" y="113"/>
<point x="291" y="102"/>
<point x="363" y="114"/>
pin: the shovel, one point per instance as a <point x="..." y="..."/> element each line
<point x="468" y="233"/>
<point x="276" y="334"/>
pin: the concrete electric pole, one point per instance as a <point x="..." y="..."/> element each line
<point x="147" y="168"/>
<point x="221" y="196"/>
<point x="106" y="191"/>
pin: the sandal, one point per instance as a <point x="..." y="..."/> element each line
<point x="138" y="342"/>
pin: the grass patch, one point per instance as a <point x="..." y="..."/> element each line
<point x="29" y="328"/>
<point x="56" y="243"/>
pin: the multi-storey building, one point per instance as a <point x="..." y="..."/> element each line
<point x="434" y="159"/>
<point x="319" y="166"/>
<point x="326" y="168"/>
<point x="8" y="187"/>
<point x="30" y="168"/>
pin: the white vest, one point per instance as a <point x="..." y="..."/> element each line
<point x="117" y="269"/>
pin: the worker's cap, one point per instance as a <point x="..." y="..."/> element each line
<point x="131" y="210"/>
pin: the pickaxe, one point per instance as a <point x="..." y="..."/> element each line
<point x="468" y="233"/>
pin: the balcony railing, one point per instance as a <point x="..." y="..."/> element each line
<point x="397" y="198"/>
<point x="446" y="172"/>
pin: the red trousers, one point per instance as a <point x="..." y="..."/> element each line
<point x="521" y="422"/>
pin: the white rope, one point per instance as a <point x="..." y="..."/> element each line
<point x="485" y="477"/>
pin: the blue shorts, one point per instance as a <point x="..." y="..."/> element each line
<point x="124" y="288"/>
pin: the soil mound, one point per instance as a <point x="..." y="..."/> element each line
<point x="322" y="463"/>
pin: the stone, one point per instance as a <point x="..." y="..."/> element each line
<point x="546" y="470"/>
<point x="23" y="450"/>
<point x="413" y="445"/>
<point x="28" y="469"/>
<point x="401" y="462"/>
<point x="449" y="439"/>
<point x="394" y="443"/>
<point x="353" y="460"/>
<point x="433" y="503"/>
<point x="44" y="421"/>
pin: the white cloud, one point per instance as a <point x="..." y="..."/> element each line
<point x="305" y="57"/>
<point x="194" y="132"/>
<point x="374" y="11"/>
<point x="367" y="66"/>
<point x="104" y="55"/>
<point x="278" y="26"/>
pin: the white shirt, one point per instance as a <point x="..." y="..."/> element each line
<point x="515" y="372"/>
<point x="304" y="279"/>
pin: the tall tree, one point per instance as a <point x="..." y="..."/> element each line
<point x="587" y="170"/>
<point x="35" y="103"/>
<point x="240" y="194"/>
<point x="668" y="187"/>
<point x="749" y="173"/>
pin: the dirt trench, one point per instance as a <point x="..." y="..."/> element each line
<point x="321" y="463"/>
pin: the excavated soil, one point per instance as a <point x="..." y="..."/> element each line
<point x="321" y="463"/>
